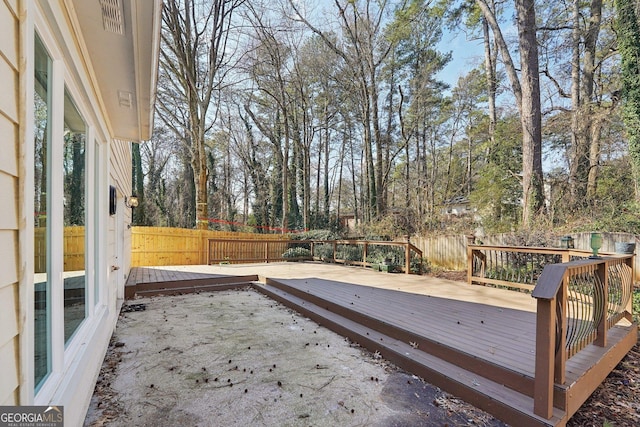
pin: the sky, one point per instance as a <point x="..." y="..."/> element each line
<point x="466" y="55"/>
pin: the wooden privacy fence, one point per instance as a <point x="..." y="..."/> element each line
<point x="578" y="302"/>
<point x="157" y="246"/>
<point x="73" y="249"/>
<point x="382" y="254"/>
<point x="448" y="252"/>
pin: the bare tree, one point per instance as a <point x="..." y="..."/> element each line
<point x="194" y="59"/>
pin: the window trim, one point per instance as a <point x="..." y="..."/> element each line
<point x="64" y="75"/>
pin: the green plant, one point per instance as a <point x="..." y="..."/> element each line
<point x="349" y="253"/>
<point x="316" y="235"/>
<point x="419" y="265"/>
<point x="297" y="252"/>
<point x="324" y="252"/>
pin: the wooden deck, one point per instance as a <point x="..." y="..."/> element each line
<point x="475" y="342"/>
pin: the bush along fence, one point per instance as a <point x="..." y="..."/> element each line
<point x="380" y="255"/>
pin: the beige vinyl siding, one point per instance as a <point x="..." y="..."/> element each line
<point x="9" y="262"/>
<point x="121" y="173"/>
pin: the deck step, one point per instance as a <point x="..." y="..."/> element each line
<point x="515" y="380"/>
<point x="188" y="286"/>
<point x="503" y="402"/>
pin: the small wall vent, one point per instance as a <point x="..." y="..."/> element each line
<point x="125" y="99"/>
<point x="112" y="16"/>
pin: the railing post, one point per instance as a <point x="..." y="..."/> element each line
<point x="335" y="246"/>
<point x="545" y="365"/>
<point x="364" y="253"/>
<point x="407" y="258"/>
<point x="630" y="261"/>
<point x="600" y="305"/>
<point x="470" y="241"/>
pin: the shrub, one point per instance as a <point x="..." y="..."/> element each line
<point x="297" y="252"/>
<point x="324" y="252"/>
<point x="349" y="253"/>
<point x="315" y="235"/>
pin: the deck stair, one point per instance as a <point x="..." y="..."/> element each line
<point x="437" y="364"/>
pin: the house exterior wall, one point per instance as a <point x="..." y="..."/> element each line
<point x="76" y="360"/>
<point x="9" y="181"/>
<point x="120" y="177"/>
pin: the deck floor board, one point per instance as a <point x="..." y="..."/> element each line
<point x="506" y="338"/>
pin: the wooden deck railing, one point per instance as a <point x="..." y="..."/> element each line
<point x="577" y="303"/>
<point x="355" y="252"/>
<point x="514" y="266"/>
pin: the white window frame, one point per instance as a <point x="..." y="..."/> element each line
<point x="63" y="357"/>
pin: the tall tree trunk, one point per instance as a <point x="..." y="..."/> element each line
<point x="578" y="162"/>
<point x="492" y="81"/>
<point x="510" y="68"/>
<point x="527" y="93"/>
<point x="318" y="178"/>
<point x="377" y="136"/>
<point x="531" y="117"/>
<point x="343" y="149"/>
<point x="326" y="189"/>
<point x="592" y="126"/>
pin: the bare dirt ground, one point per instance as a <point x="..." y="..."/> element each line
<point x="237" y="358"/>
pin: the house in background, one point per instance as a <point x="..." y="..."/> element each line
<point x="456" y="207"/>
<point x="78" y="83"/>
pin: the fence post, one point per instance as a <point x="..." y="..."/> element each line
<point x="266" y="251"/>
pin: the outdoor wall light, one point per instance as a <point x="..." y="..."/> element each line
<point x="596" y="244"/>
<point x="131" y="202"/>
<point x="112" y="200"/>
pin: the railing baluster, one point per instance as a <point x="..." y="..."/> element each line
<point x="559" y="372"/>
<point x="600" y="305"/>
